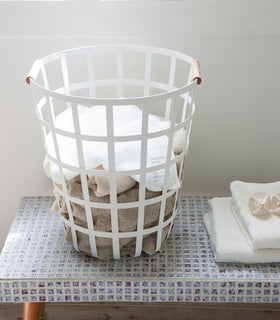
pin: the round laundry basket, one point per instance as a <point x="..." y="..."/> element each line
<point x="160" y="83"/>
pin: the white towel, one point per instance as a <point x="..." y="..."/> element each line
<point x="261" y="233"/>
<point x="228" y="241"/>
<point x="127" y="121"/>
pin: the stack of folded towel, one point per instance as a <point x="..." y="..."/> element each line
<point x="246" y="227"/>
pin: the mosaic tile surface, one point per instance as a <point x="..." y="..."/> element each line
<point x="37" y="264"/>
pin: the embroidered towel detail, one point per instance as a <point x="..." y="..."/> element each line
<point x="275" y="204"/>
<point x="260" y="204"/>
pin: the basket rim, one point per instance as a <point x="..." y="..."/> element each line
<point x="120" y="100"/>
<point x="125" y="47"/>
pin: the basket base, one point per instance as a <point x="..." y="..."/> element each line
<point x="127" y="219"/>
<point x="106" y="252"/>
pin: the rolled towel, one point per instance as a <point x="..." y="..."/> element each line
<point x="100" y="185"/>
<point x="260" y="226"/>
<point x="179" y="141"/>
<point x="227" y="239"/>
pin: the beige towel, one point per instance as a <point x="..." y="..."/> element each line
<point x="127" y="219"/>
<point x="127" y="245"/>
<point x="100" y="185"/>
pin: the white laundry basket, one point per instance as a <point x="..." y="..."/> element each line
<point x="156" y="80"/>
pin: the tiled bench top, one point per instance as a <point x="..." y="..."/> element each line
<point x="37" y="264"/>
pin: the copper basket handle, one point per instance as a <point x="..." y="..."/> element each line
<point x="34" y="71"/>
<point x="196" y="71"/>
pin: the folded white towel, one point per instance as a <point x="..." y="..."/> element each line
<point x="127" y="121"/>
<point x="262" y="232"/>
<point x="228" y="241"/>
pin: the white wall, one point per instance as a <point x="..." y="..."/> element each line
<point x="236" y="126"/>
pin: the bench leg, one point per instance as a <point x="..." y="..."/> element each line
<point x="33" y="310"/>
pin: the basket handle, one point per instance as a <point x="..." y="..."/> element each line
<point x="196" y="71"/>
<point x="33" y="73"/>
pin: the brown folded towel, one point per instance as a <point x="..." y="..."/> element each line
<point x="127" y="219"/>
